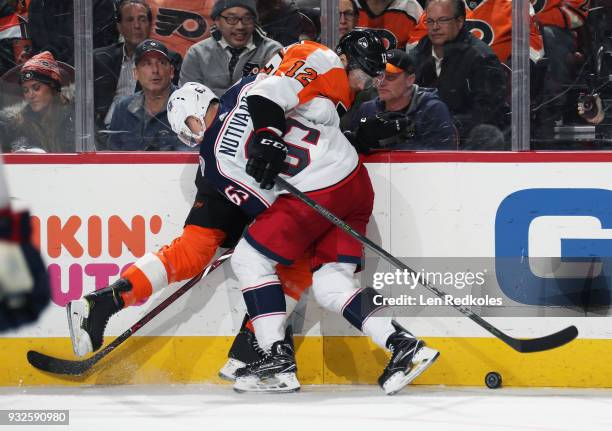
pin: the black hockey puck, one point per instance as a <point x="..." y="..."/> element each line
<point x="493" y="380"/>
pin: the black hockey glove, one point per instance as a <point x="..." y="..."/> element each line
<point x="267" y="154"/>
<point x="360" y="147"/>
<point x="384" y="129"/>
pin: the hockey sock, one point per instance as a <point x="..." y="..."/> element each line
<point x="262" y="292"/>
<point x="379" y="329"/>
<point x="185" y="257"/>
<point x="334" y="289"/>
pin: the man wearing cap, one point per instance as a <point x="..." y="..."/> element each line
<point x="140" y="121"/>
<point x="114" y="64"/>
<point x="237" y="45"/>
<point x="404" y="116"/>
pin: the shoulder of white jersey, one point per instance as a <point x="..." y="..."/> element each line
<point x="320" y="111"/>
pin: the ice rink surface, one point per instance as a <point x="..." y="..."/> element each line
<point x="318" y="408"/>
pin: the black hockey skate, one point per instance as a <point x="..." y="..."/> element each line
<point x="87" y="317"/>
<point x="409" y="358"/>
<point x="274" y="372"/>
<point x="244" y="350"/>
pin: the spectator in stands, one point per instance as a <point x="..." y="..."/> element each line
<point x="52" y="29"/>
<point x="348" y="16"/>
<point x="398" y="17"/>
<point x="557" y="19"/>
<point x="467" y="73"/>
<point x="491" y="22"/>
<point x="113" y="65"/>
<point x="45" y="123"/>
<point x="236" y="47"/>
<point x="140" y="121"/>
<point x="280" y="19"/>
<point x="14" y="48"/>
<point x="404" y="116"/>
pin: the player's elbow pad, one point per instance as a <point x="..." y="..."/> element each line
<point x="266" y="114"/>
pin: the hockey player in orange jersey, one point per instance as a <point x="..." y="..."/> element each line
<point x="305" y="71"/>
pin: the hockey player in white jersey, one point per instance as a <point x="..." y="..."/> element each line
<point x="317" y="159"/>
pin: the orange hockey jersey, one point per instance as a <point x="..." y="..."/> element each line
<point x="567" y="14"/>
<point x="302" y="72"/>
<point x="399" y="18"/>
<point x="491" y="22"/>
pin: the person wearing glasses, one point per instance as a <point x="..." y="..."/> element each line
<point x="467" y="73"/>
<point x="348" y="16"/>
<point x="237" y="47"/>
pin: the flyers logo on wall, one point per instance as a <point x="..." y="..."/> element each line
<point x="180" y="23"/>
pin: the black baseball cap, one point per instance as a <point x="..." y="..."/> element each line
<point x="150" y="45"/>
<point x="399" y="61"/>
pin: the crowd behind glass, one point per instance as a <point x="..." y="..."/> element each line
<point x="447" y="85"/>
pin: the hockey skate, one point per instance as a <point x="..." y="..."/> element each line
<point x="87" y="317"/>
<point x="409" y="358"/>
<point x="274" y="372"/>
<point x="244" y="350"/>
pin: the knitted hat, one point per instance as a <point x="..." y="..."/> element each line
<point x="42" y="67"/>
<point x="221" y="5"/>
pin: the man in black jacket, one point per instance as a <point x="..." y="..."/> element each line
<point x="467" y="73"/>
<point x="114" y="64"/>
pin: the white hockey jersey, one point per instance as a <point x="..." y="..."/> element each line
<point x="319" y="154"/>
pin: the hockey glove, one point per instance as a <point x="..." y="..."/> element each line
<point x="384" y="129"/>
<point x="267" y="154"/>
<point x="361" y="147"/>
<point x="24" y="285"/>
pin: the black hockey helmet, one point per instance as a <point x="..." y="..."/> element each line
<point x="364" y="50"/>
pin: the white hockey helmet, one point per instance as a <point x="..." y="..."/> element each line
<point x="191" y="100"/>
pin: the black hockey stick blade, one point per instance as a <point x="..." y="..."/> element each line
<point x="547" y="342"/>
<point x="55" y="365"/>
<point x="520" y="345"/>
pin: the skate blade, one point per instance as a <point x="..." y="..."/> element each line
<point x="279" y="383"/>
<point x="81" y="343"/>
<point x="423" y="359"/>
<point x="228" y="372"/>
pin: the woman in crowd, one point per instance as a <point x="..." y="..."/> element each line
<point x="44" y="121"/>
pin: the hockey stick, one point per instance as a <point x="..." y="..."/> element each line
<point x="76" y="368"/>
<point x="521" y="345"/>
